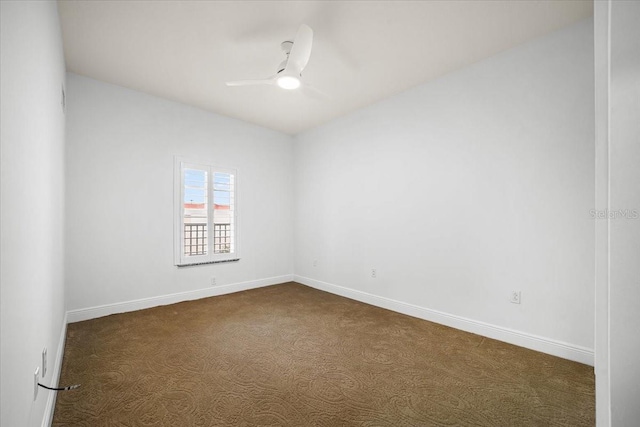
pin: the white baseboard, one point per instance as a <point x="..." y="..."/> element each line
<point x="55" y="376"/>
<point x="522" y="339"/>
<point x="139" y="304"/>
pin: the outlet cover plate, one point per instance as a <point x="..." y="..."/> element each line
<point x="36" y="377"/>
<point x="44" y="362"/>
<point x="516" y="297"/>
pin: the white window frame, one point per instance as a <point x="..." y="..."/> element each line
<point x="180" y="259"/>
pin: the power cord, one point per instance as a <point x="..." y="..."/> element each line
<point x="71" y="387"/>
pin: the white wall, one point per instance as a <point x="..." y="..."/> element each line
<point x="624" y="180"/>
<point x="120" y="152"/>
<point x="489" y="172"/>
<point x="32" y="288"/>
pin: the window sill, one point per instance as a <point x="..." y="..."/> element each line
<point x="208" y="262"/>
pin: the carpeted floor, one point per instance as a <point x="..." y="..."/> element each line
<point x="290" y="355"/>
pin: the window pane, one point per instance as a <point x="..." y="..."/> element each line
<point x="195" y="212"/>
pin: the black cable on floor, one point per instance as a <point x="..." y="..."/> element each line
<point x="71" y="387"/>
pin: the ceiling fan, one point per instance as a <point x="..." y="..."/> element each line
<point x="289" y="71"/>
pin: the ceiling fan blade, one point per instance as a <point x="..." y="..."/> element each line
<point x="314" y="92"/>
<point x="250" y="82"/>
<point x="300" y="51"/>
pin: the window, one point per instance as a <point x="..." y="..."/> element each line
<point x="206" y="214"/>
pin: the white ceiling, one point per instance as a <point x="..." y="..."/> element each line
<point x="363" y="51"/>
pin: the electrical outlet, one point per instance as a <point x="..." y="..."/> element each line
<point x="36" y="376"/>
<point x="516" y="297"/>
<point x="213" y="281"/>
<point x="315" y="262"/>
<point x="374" y="273"/>
<point x="44" y="362"/>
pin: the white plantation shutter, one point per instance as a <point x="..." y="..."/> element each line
<point x="206" y="214"/>
<point x="223" y="211"/>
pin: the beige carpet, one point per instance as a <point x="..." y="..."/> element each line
<point x="289" y="355"/>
